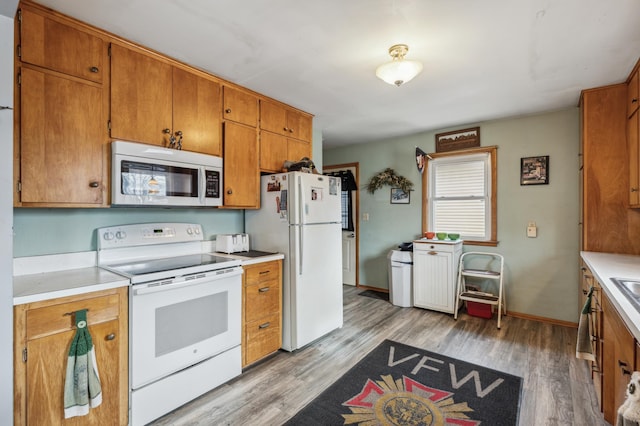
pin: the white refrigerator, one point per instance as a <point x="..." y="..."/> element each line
<point x="300" y="216"/>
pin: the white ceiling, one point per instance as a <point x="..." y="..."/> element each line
<point x="482" y="59"/>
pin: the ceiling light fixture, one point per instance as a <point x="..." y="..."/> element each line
<point x="399" y="70"/>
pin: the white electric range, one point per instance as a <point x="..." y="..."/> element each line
<point x="184" y="313"/>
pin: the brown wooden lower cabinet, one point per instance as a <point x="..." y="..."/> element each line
<point x="618" y="360"/>
<point x="262" y="311"/>
<point x="43" y="332"/>
<point x="587" y="282"/>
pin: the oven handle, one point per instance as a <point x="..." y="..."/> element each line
<point x="186" y="282"/>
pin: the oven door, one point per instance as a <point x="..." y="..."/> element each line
<point x="180" y="322"/>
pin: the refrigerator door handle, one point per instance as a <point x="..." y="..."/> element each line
<point x="300" y="251"/>
<point x="302" y="206"/>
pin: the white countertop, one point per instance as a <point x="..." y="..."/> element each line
<point x="50" y="285"/>
<point x="606" y="266"/>
<point x="250" y="260"/>
<point x="47" y="277"/>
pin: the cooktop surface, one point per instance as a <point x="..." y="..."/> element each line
<point x="168" y="264"/>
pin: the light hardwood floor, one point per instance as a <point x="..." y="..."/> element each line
<point x="557" y="388"/>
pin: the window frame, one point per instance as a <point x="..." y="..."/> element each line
<point x="492" y="151"/>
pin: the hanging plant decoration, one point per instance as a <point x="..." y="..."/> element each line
<point x="389" y="177"/>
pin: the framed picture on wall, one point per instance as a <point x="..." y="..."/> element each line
<point x="398" y="196"/>
<point x="534" y="170"/>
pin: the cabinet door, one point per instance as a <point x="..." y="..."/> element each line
<point x="299" y="125"/>
<point x="633" y="142"/>
<point x="141" y="103"/>
<point x="46" y="371"/>
<point x="297" y="149"/>
<point x="273" y="117"/>
<point x="278" y="118"/>
<point x="62" y="134"/>
<point x="239" y="106"/>
<point x="618" y="360"/>
<point x="432" y="280"/>
<point x="241" y="173"/>
<point x="196" y="112"/>
<point x="48" y="43"/>
<point x="273" y="151"/>
<point x="633" y="93"/>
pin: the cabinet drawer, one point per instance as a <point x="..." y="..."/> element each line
<point x="59" y="318"/>
<point x="262" y="273"/>
<point x="443" y="248"/>
<point x="262" y="338"/>
<point x="262" y="299"/>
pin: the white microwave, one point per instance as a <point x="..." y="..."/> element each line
<point x="149" y="175"/>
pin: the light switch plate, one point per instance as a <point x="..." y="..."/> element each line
<point x="532" y="231"/>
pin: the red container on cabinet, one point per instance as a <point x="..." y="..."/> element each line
<point x="481" y="310"/>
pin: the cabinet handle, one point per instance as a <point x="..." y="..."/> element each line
<point x="166" y="131"/>
<point x="285" y="129"/>
<point x="634" y="100"/>
<point x="634" y="189"/>
<point x="263" y="289"/>
<point x="110" y="336"/>
<point x="626" y="372"/>
<point x="432" y="253"/>
<point x="265" y="325"/>
<point x="265" y="272"/>
<point x="94" y="184"/>
<point x="94" y="69"/>
<point x="229" y="191"/>
<point x="227" y="111"/>
<point x="179" y="133"/>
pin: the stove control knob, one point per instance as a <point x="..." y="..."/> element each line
<point x="108" y="236"/>
<point x="189" y="231"/>
<point x="197" y="231"/>
<point x="121" y="235"/>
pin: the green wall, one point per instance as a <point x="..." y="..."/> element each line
<point x="541" y="276"/>
<point x="50" y="231"/>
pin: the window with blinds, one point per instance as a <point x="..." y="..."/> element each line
<point x="460" y="195"/>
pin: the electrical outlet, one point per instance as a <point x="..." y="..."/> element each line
<point x="365" y="217"/>
<point x="532" y="230"/>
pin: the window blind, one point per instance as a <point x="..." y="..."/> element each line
<point x="460" y="196"/>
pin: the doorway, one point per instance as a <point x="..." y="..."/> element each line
<point x="350" y="220"/>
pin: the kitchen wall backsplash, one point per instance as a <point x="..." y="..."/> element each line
<point x="50" y="231"/>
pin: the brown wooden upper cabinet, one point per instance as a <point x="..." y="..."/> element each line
<point x="60" y="160"/>
<point x="153" y="101"/>
<point x="633" y="136"/>
<point x="241" y="173"/>
<point x="240" y="106"/>
<point x="633" y="93"/>
<point x="277" y="118"/>
<point x="47" y="42"/>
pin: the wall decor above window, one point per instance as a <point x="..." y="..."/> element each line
<point x="534" y="170"/>
<point x="458" y="139"/>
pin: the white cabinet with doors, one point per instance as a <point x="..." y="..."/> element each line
<point x="434" y="274"/>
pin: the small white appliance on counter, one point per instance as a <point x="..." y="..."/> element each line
<point x="301" y="217"/>
<point x="184" y="314"/>
<point x="232" y="243"/>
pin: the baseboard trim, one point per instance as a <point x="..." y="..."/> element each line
<point x="509" y="313"/>
<point x="366" y="287"/>
<point x="543" y="319"/>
